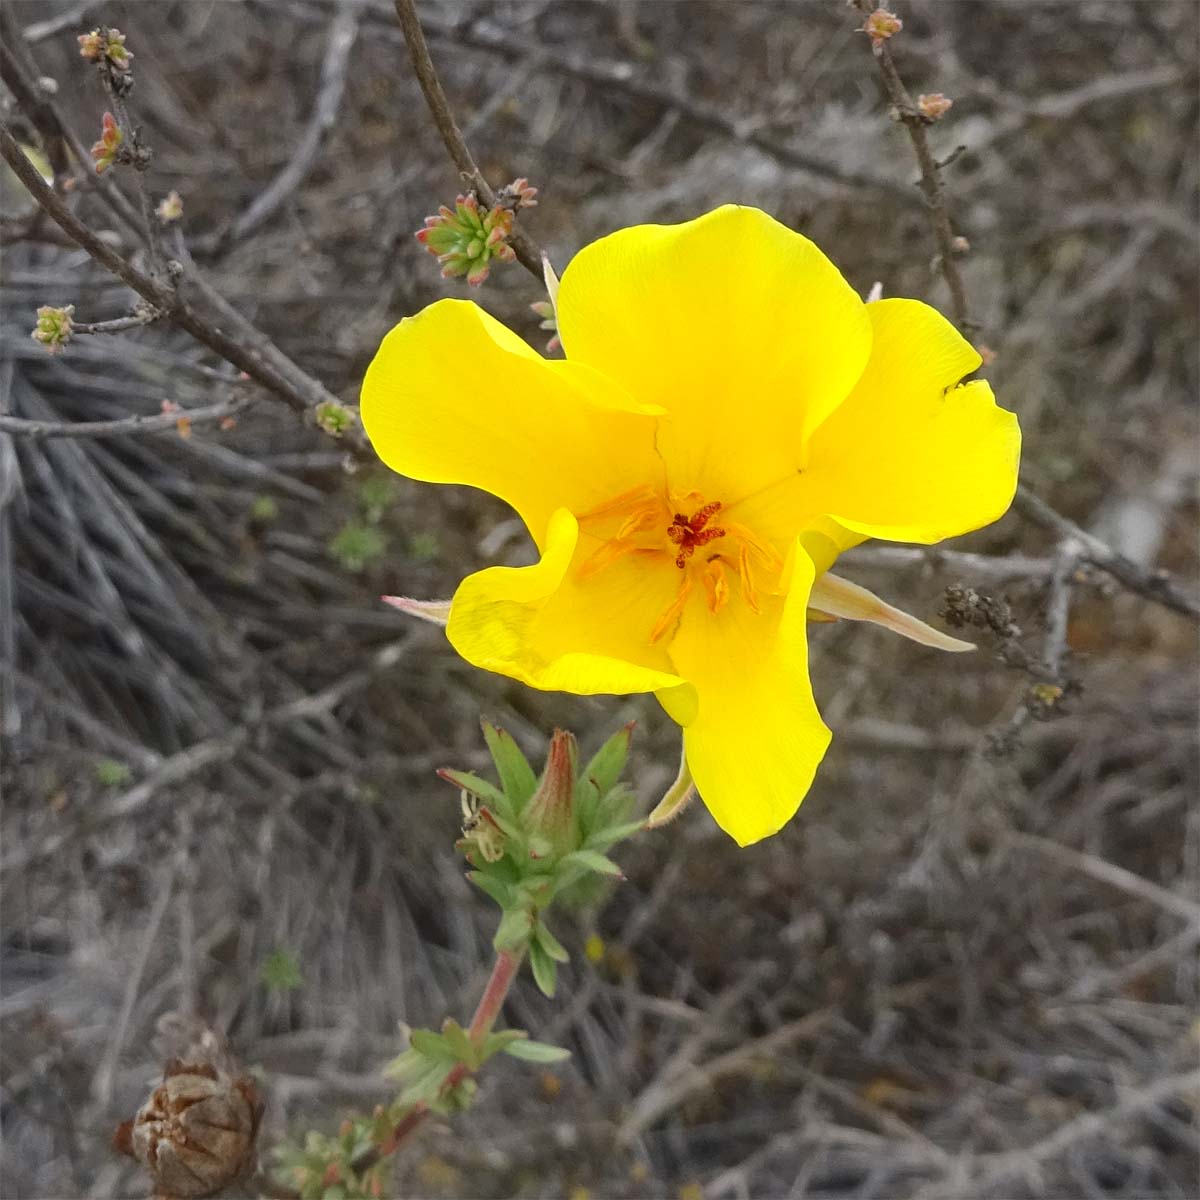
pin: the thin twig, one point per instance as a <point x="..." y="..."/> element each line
<point x="1154" y="585"/>
<point x="124" y="426"/>
<point x="253" y="359"/>
<point x="1110" y="873"/>
<point x="343" y="33"/>
<point x="625" y="79"/>
<point x="528" y="253"/>
<point x="931" y="176"/>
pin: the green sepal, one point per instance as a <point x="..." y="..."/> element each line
<point x="545" y="969"/>
<point x="548" y="942"/>
<point x="537" y="1052"/>
<point x="517" y="777"/>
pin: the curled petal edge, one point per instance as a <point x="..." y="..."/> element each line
<point x="835" y="597"/>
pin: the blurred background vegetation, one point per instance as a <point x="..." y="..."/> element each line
<point x="219" y="746"/>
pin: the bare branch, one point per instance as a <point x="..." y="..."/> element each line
<point x="931" y="176"/>
<point x="1154" y="585"/>
<point x="255" y="359"/>
<point x="124" y="426"/>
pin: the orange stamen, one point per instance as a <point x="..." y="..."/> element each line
<point x="673" y="612"/>
<point x="634" y="498"/>
<point x="748" y="592"/>
<point x="715" y="584"/>
<point x="764" y="551"/>
<point x="605" y="556"/>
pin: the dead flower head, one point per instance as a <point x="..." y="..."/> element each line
<point x="196" y="1133"/>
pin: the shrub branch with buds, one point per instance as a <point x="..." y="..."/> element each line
<point x="530" y="841"/>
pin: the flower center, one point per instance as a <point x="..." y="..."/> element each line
<point x="689" y="532"/>
<point x="632" y="523"/>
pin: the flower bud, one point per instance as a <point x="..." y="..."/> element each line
<point x="105" y="150"/>
<point x="934" y="106"/>
<point x="551" y="810"/>
<point x="170" y="208"/>
<point x="880" y="26"/>
<point x="53" y="327"/>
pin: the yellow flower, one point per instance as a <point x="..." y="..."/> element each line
<point x="729" y="417"/>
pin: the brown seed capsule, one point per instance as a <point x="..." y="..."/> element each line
<point x="196" y="1133"/>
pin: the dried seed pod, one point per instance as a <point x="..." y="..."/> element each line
<point x="196" y="1134"/>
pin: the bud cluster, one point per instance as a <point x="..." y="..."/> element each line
<point x="325" y="1167"/>
<point x="106" y="47"/>
<point x="53" y="328"/>
<point x="531" y="840"/>
<point x="107" y="149"/>
<point x="465" y="239"/>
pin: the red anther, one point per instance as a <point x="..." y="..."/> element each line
<point x="689" y="532"/>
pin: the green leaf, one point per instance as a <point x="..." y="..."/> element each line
<point x="517" y="777"/>
<point x="602" y="839"/>
<point x="489" y="793"/>
<point x="545" y="970"/>
<point x="495" y="1042"/>
<point x="281" y="971"/>
<point x="460" y="1044"/>
<point x="499" y="891"/>
<point x="592" y="860"/>
<point x="615" y="807"/>
<point x="548" y="942"/>
<point x="425" y="1088"/>
<point x="537" y="1052"/>
<point x="609" y="761"/>
<point x="515" y="930"/>
<point x="433" y="1045"/>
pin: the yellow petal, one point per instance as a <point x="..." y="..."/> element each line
<point x="551" y="630"/>
<point x="755" y="737"/>
<point x="453" y="396"/>
<point x="909" y="456"/>
<point x="839" y="597"/>
<point x="742" y="330"/>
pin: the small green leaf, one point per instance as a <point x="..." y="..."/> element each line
<point x="602" y="839"/>
<point x="609" y="761"/>
<point x="537" y="1052"/>
<point x="495" y="1042"/>
<point x="548" y="942"/>
<point x="499" y="891"/>
<point x="516" y="928"/>
<point x="592" y="860"/>
<point x="489" y="793"/>
<point x="281" y="971"/>
<point x="425" y="1087"/>
<point x="432" y="1045"/>
<point x="465" y="1050"/>
<point x="545" y="970"/>
<point x="111" y="773"/>
<point x="516" y="775"/>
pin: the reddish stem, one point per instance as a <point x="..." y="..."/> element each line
<point x="504" y="971"/>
